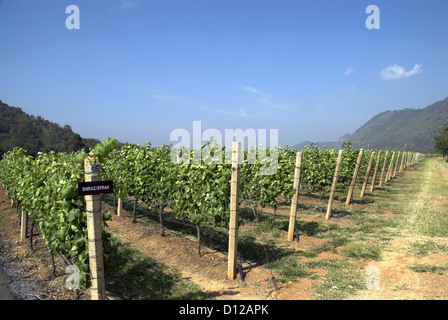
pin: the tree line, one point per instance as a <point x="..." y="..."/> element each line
<point x="441" y="141"/>
<point x="36" y="134"/>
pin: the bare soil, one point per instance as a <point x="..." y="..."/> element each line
<point x="29" y="270"/>
<point x="209" y="271"/>
<point x="399" y="282"/>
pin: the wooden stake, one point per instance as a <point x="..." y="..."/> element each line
<point x="120" y="204"/>
<point x="333" y="186"/>
<point x="234" y="210"/>
<point x="389" y="171"/>
<point x="366" y="179"/>
<point x="95" y="235"/>
<point x="355" y="175"/>
<point x="23" y="225"/>
<point x="384" y="168"/>
<point x="396" y="165"/>
<point x="295" y="199"/>
<point x="403" y="167"/>
<point x="372" y="184"/>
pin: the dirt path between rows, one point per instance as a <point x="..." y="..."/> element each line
<point x="208" y="272"/>
<point x="26" y="272"/>
<point x="397" y="281"/>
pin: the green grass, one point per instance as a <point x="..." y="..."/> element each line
<point x="341" y="237"/>
<point x="290" y="268"/>
<point x="265" y="226"/>
<point x="427" y="212"/>
<point x="401" y="287"/>
<point x="342" y="280"/>
<point x="425" y="248"/>
<point x="423" y="268"/>
<point x="367" y="217"/>
<point x="366" y="251"/>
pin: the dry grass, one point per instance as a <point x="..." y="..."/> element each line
<point x="427" y="211"/>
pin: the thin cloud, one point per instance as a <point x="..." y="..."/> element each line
<point x="265" y="98"/>
<point x="255" y="91"/>
<point x="397" y="72"/>
<point x="349" y="70"/>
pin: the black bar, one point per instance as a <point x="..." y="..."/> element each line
<point x="95" y="187"/>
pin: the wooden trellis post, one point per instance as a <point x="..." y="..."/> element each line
<point x="234" y="210"/>
<point x="406" y="160"/>
<point x="372" y="185"/>
<point x="403" y="162"/>
<point x="384" y="168"/>
<point x="23" y="225"/>
<point x="94" y="232"/>
<point x="296" y="186"/>
<point x="120" y="204"/>
<point x="389" y="171"/>
<point x="333" y="186"/>
<point x="396" y="165"/>
<point x="366" y="179"/>
<point x="355" y="175"/>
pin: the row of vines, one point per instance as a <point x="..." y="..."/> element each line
<point x="46" y="188"/>
<point x="200" y="192"/>
<point x="196" y="191"/>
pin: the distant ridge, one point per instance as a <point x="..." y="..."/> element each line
<point x="409" y="129"/>
<point x="405" y="129"/>
<point x="34" y="134"/>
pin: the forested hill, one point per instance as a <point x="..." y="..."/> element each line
<point x="409" y="129"/>
<point x="35" y="134"/>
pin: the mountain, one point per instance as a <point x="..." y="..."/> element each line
<point x="35" y="134"/>
<point x="324" y="144"/>
<point x="409" y="129"/>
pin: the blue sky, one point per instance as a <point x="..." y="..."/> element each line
<point x="136" y="70"/>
